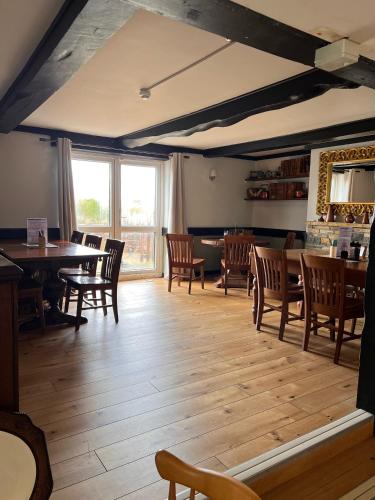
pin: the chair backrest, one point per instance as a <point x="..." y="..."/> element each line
<point x="92" y="241"/>
<point x="77" y="237"/>
<point x="324" y="284"/>
<point x="215" y="485"/>
<point x="289" y="241"/>
<point x="180" y="250"/>
<point x="271" y="271"/>
<point x="29" y="460"/>
<point x="237" y="251"/>
<point x="111" y="264"/>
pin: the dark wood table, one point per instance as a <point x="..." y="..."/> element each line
<point x="219" y="242"/>
<point x="355" y="272"/>
<point x="45" y="263"/>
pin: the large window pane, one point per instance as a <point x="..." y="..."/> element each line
<point x="139" y="252"/>
<point x="138" y="195"/>
<point x="92" y="192"/>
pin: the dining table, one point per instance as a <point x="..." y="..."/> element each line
<point x="355" y="271"/>
<point x="43" y="264"/>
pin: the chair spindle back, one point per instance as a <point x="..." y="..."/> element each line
<point x="77" y="237"/>
<point x="92" y="241"/>
<point x="271" y="271"/>
<point x="111" y="264"/>
<point x="324" y="284"/>
<point x="237" y="251"/>
<point x="180" y="250"/>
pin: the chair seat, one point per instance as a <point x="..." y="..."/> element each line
<point x="198" y="262"/>
<point x="73" y="271"/>
<point x="88" y="281"/>
<point x="235" y="267"/>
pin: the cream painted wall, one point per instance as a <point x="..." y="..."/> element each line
<point x="220" y="202"/>
<point x="28" y="180"/>
<point x="314" y="176"/>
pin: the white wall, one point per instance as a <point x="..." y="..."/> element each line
<point x="220" y="202"/>
<point x="28" y="180"/>
<point x="314" y="176"/>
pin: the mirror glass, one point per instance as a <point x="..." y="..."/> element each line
<point x="352" y="182"/>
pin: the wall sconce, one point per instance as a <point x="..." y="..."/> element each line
<point x="212" y="174"/>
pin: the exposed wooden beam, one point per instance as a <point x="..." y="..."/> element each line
<point x="285" y="93"/>
<point x="240" y="24"/>
<point x="361" y="72"/>
<point x="298" y="139"/>
<point x="106" y="143"/>
<point x="283" y="154"/>
<point x="342" y="142"/>
<point x="80" y="28"/>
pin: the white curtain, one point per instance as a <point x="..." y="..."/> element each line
<point x="176" y="215"/>
<point x="67" y="211"/>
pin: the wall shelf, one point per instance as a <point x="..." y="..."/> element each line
<point x="283" y="199"/>
<point x="276" y="179"/>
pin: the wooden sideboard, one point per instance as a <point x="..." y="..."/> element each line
<point x="10" y="274"/>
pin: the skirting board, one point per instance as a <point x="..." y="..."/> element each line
<point x="260" y="465"/>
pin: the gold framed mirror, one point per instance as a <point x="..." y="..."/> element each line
<point x="347" y="181"/>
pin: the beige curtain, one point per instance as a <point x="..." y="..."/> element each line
<point x="67" y="211"/>
<point x="177" y="216"/>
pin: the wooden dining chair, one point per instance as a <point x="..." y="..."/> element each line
<point x="29" y="288"/>
<point x="326" y="294"/>
<point x="87" y="268"/>
<point x="272" y="282"/>
<point x="106" y="283"/>
<point x="237" y="259"/>
<point x="25" y="471"/>
<point x="77" y="237"/>
<point x="214" y="485"/>
<point x="290" y="240"/>
<point x="181" y="262"/>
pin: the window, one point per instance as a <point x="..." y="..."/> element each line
<point x="121" y="198"/>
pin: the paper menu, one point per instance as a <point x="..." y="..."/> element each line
<point x="36" y="226"/>
<point x="344" y="240"/>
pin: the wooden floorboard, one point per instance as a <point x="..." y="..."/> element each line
<point x="187" y="373"/>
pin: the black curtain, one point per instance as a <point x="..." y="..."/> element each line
<point x="366" y="383"/>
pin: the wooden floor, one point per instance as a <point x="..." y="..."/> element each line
<point x="187" y="373"/>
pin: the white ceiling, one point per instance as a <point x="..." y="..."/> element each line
<point x="102" y="97"/>
<point x="22" y="25"/>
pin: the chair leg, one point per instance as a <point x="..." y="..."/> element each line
<point x="170" y="274"/>
<point x="255" y="301"/>
<point x="114" y="303"/>
<point x="340" y="335"/>
<point x="332" y="331"/>
<point x="260" y="310"/>
<point x="79" y="310"/>
<point x="284" y="319"/>
<point x="354" y="324"/>
<point x="315" y="327"/>
<point x="41" y="313"/>
<point x="226" y="272"/>
<point x="306" y="336"/>
<point x="190" y="279"/>
<point x="249" y="280"/>
<point x="68" y="291"/>
<point x="202" y="277"/>
<point x="104" y="301"/>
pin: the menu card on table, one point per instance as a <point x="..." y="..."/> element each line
<point x="36" y="227"/>
<point x="344" y="240"/>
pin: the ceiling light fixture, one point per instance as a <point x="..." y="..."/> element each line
<point x="145" y="92"/>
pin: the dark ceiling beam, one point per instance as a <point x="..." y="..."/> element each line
<point x="282" y="154"/>
<point x="298" y="139"/>
<point x="342" y="142"/>
<point x="78" y="31"/>
<point x="361" y="72"/>
<point x="279" y="95"/>
<point x="105" y="143"/>
<point x="240" y="24"/>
